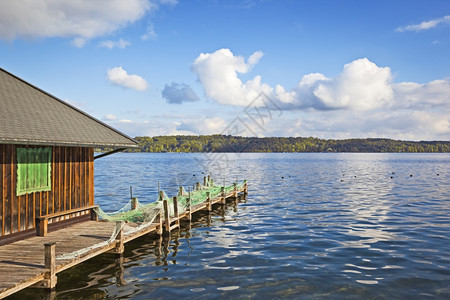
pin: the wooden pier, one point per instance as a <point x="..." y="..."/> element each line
<point x="37" y="260"/>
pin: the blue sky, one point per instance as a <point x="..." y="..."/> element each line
<point x="328" y="69"/>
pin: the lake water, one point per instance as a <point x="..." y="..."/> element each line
<point x="322" y="225"/>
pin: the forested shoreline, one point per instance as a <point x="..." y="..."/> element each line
<point x="227" y="143"/>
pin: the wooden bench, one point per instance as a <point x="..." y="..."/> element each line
<point x="42" y="221"/>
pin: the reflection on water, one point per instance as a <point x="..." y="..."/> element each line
<point x="314" y="226"/>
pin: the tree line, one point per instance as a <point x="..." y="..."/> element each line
<point x="228" y="143"/>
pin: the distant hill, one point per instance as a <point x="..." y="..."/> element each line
<point x="227" y="143"/>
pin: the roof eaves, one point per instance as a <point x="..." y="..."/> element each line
<point x="74" y="108"/>
<point x="65" y="144"/>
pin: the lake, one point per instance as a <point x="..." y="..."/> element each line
<point x="314" y="226"/>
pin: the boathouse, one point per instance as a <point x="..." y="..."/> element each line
<point x="46" y="159"/>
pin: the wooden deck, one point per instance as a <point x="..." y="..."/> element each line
<point x="28" y="262"/>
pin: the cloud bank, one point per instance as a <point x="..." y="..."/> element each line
<point x="362" y="100"/>
<point x="118" y="76"/>
<point x="80" y="20"/>
<point x="177" y="93"/>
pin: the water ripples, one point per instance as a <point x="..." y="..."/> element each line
<point x="313" y="226"/>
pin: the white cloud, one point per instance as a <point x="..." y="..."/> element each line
<point x="431" y="95"/>
<point x="213" y="125"/>
<point x="110" y="117"/>
<point x="218" y="74"/>
<point x="425" y="25"/>
<point x="150" y="34"/>
<point x="153" y="127"/>
<point x="120" y="77"/>
<point x="362" y="85"/>
<point x="78" y="42"/>
<point x="80" y="20"/>
<point x="121" y="43"/>
<point x="177" y="93"/>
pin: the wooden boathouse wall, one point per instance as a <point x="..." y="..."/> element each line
<point x="72" y="186"/>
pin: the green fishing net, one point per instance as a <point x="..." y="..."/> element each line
<point x="144" y="213"/>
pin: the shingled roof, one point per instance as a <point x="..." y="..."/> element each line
<point x="29" y="115"/>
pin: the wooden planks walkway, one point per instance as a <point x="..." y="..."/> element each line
<point x="28" y="262"/>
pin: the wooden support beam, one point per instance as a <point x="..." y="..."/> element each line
<point x="188" y="208"/>
<point x="235" y="190"/>
<point x="176" y="214"/>
<point x="94" y="215"/>
<point x="205" y="183"/>
<point x="119" y="238"/>
<point x="208" y="199"/>
<point x="109" y="153"/>
<point x="166" y="218"/>
<point x="50" y="279"/>
<point x="197" y="186"/>
<point x="42" y="227"/>
<point x="159" y="229"/>
<point x="222" y="195"/>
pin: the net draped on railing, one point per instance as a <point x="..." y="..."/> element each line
<point x="146" y="213"/>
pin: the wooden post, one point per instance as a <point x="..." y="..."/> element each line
<point x="175" y="207"/>
<point x="198" y="186"/>
<point x="245" y="187"/>
<point x="50" y="266"/>
<point x="204" y="181"/>
<point x="94" y="215"/>
<point x="42" y="229"/>
<point x="222" y="195"/>
<point x="119" y="238"/>
<point x="212" y="182"/>
<point x="160" y="195"/>
<point x="159" y="229"/>
<point x="235" y="190"/>
<point x="181" y="191"/>
<point x="166" y="218"/>
<point x="209" y="180"/>
<point x="176" y="213"/>
<point x="134" y="202"/>
<point x="208" y="198"/>
<point x="188" y="208"/>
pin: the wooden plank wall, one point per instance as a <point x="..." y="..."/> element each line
<point x="72" y="176"/>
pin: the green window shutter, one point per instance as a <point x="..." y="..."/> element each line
<point x="33" y="170"/>
<point x="22" y="170"/>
